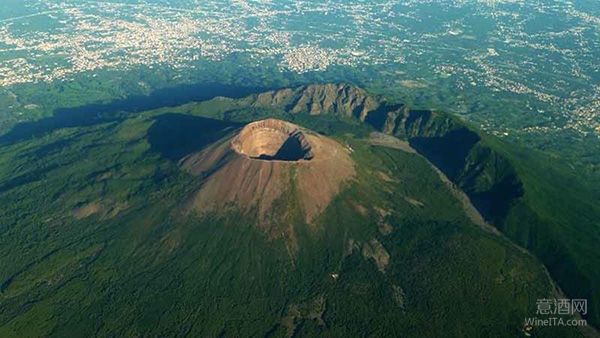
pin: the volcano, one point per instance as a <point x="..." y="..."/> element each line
<point x="273" y="140"/>
<point x="232" y="218"/>
<point x="264" y="161"/>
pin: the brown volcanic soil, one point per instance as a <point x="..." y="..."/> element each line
<point x="266" y="159"/>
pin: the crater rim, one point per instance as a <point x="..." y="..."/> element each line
<point x="273" y="140"/>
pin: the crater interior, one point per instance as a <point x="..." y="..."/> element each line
<point x="273" y="140"/>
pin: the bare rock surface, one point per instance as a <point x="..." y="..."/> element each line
<point x="339" y="99"/>
<point x="375" y="250"/>
<point x="265" y="161"/>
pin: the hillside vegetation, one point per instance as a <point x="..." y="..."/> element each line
<point x="539" y="203"/>
<point x="96" y="238"/>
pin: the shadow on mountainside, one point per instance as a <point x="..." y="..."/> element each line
<point x="92" y="114"/>
<point x="174" y="136"/>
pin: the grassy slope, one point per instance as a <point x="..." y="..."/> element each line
<point x="539" y="203"/>
<point x="148" y="270"/>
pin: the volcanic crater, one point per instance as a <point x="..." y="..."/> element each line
<point x="267" y="160"/>
<point x="273" y="140"/>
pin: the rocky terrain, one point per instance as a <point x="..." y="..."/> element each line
<point x="273" y="140"/>
<point x="252" y="168"/>
<point x="505" y="183"/>
<point x="339" y="99"/>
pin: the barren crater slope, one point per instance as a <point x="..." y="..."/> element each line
<point x="273" y="140"/>
<point x="267" y="160"/>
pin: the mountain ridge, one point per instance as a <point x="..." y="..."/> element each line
<point x="496" y="176"/>
<point x="392" y="244"/>
<point x="339" y="99"/>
